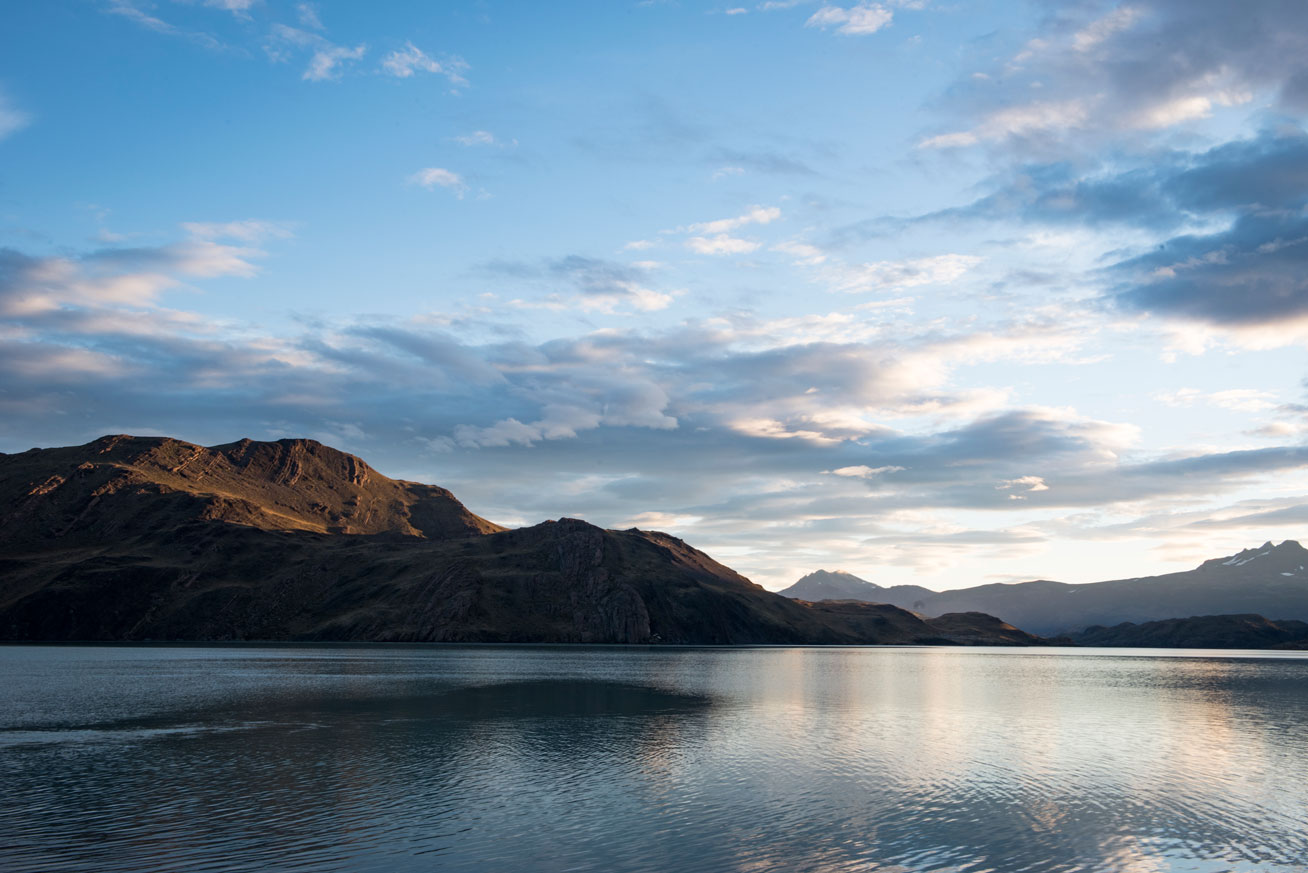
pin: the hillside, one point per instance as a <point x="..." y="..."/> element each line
<point x="132" y="538"/>
<point x="1269" y="580"/>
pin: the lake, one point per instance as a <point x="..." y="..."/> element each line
<point x="553" y="758"/>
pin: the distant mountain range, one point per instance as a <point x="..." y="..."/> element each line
<point x="839" y="585"/>
<point x="134" y="538"/>
<point x="1267" y="581"/>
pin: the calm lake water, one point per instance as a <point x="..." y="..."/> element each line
<point x="661" y="759"/>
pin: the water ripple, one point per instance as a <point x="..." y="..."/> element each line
<point x="554" y="759"/>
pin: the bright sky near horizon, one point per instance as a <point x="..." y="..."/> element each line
<point x="932" y="291"/>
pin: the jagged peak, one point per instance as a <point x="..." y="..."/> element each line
<point x="842" y="575"/>
<point x="1287" y="548"/>
<point x="824" y="572"/>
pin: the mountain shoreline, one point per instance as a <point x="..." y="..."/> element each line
<point x="133" y="538"/>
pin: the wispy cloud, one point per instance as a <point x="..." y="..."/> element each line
<point x="132" y="10"/>
<point x="307" y="13"/>
<point x="239" y="8"/>
<point x="859" y="20"/>
<point x="714" y="237"/>
<point x="477" y="137"/>
<point x="597" y="285"/>
<point x="439" y="177"/>
<point x="327" y="58"/>
<point x="403" y="63"/>
<point x="891" y="275"/>
<point x="753" y="215"/>
<point x="12" y="119"/>
<point x="131" y="276"/>
<point x="721" y="244"/>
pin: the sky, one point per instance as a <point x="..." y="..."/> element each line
<point x="932" y="291"/>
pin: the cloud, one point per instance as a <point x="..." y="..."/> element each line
<point x="12" y="119"/>
<point x="239" y="8"/>
<point x="307" y="13"/>
<point x="1094" y="72"/>
<point x="805" y="254"/>
<point x="248" y="230"/>
<point x="1016" y="121"/>
<point x="862" y="471"/>
<point x="132" y="11"/>
<point x="1023" y="483"/>
<point x="327" y="58"/>
<point x="859" y="20"/>
<point x="439" y="177"/>
<point x="769" y="162"/>
<point x="405" y="62"/>
<point x="1248" y="277"/>
<point x="476" y="138"/>
<point x="1266" y="173"/>
<point x="325" y="61"/>
<point x="753" y="215"/>
<point x="595" y="285"/>
<point x="714" y="237"/>
<point x="40" y="288"/>
<point x="1253" y="274"/>
<point x="1233" y="399"/>
<point x="891" y="275"/>
<point x="1229" y="228"/>
<point x="721" y="244"/>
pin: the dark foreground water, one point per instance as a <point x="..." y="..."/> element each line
<point x="617" y="759"/>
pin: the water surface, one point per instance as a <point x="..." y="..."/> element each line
<point x="661" y="759"/>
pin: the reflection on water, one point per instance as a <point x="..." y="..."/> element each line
<point x="612" y="759"/>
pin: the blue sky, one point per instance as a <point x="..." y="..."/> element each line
<point x="933" y="292"/>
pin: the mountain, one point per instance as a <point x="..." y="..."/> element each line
<point x="1201" y="632"/>
<point x="1269" y="580"/>
<point x="132" y="538"/>
<point x="839" y="585"/>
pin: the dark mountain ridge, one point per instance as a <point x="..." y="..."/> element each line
<point x="1201" y="632"/>
<point x="1269" y="580"/>
<point x="131" y="538"/>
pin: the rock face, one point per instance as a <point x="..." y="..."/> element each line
<point x="1201" y="632"/>
<point x="1269" y="580"/>
<point x="132" y="538"/>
